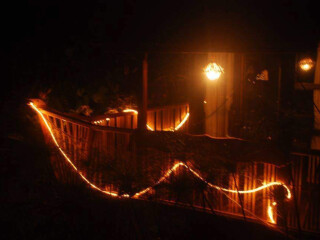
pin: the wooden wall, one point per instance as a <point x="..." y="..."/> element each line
<point x="219" y="95"/>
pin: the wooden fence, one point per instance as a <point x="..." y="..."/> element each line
<point x="158" y="119"/>
<point x="109" y="158"/>
<point x="305" y="173"/>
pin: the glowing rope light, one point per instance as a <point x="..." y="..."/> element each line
<point x="177" y="127"/>
<point x="131" y="110"/>
<point x="113" y="194"/>
<point x="260" y="188"/>
<point x="270" y="214"/>
<point x="180" y="164"/>
<point x="163" y="178"/>
<point x="182" y="122"/>
<point x="148" y="126"/>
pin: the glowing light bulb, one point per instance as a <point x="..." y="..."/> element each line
<point x="306" y="64"/>
<point x="213" y="71"/>
<point x="270" y="214"/>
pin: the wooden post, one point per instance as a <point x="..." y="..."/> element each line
<point x="279" y="91"/>
<point x="142" y="117"/>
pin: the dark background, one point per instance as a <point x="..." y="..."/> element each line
<point x="67" y="45"/>
<point x="97" y="46"/>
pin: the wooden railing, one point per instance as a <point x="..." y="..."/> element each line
<point x="306" y="185"/>
<point x="167" y="118"/>
<point x="109" y="158"/>
<point x="158" y="119"/>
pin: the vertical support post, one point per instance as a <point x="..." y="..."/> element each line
<point x="242" y="77"/>
<point x="279" y="91"/>
<point x="142" y="118"/>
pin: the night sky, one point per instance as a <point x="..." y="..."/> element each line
<point x="49" y="43"/>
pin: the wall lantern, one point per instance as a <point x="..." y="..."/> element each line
<point x="306" y="64"/>
<point x="213" y="71"/>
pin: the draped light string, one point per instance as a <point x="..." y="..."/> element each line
<point x="164" y="177"/>
<point x="149" y="128"/>
<point x="113" y="194"/>
<point x="270" y="214"/>
<point x="128" y="110"/>
<point x="176" y="128"/>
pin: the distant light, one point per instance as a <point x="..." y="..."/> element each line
<point x="306" y="64"/>
<point x="205" y="102"/>
<point x="107" y="119"/>
<point x="213" y="71"/>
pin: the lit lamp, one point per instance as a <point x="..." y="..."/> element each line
<point x="213" y="71"/>
<point x="306" y="64"/>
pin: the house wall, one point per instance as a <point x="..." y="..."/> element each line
<point x="219" y="96"/>
<point x="315" y="144"/>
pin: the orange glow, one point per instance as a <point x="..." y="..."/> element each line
<point x="213" y="71"/>
<point x="182" y="122"/>
<point x="150" y="128"/>
<point x="270" y="214"/>
<point x="130" y="110"/>
<point x="97" y="122"/>
<point x="181" y="164"/>
<point x="306" y="64"/>
<point x="113" y="194"/>
<point x="177" y="127"/>
<point x="260" y="188"/>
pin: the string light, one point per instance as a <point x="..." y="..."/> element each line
<point x="163" y="178"/>
<point x="270" y="214"/>
<point x="182" y="122"/>
<point x="130" y="110"/>
<point x="113" y="194"/>
<point x="177" y="127"/>
<point x="148" y="126"/>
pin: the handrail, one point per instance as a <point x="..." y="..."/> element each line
<point x="65" y="117"/>
<point x="121" y="114"/>
<point x="167" y="106"/>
